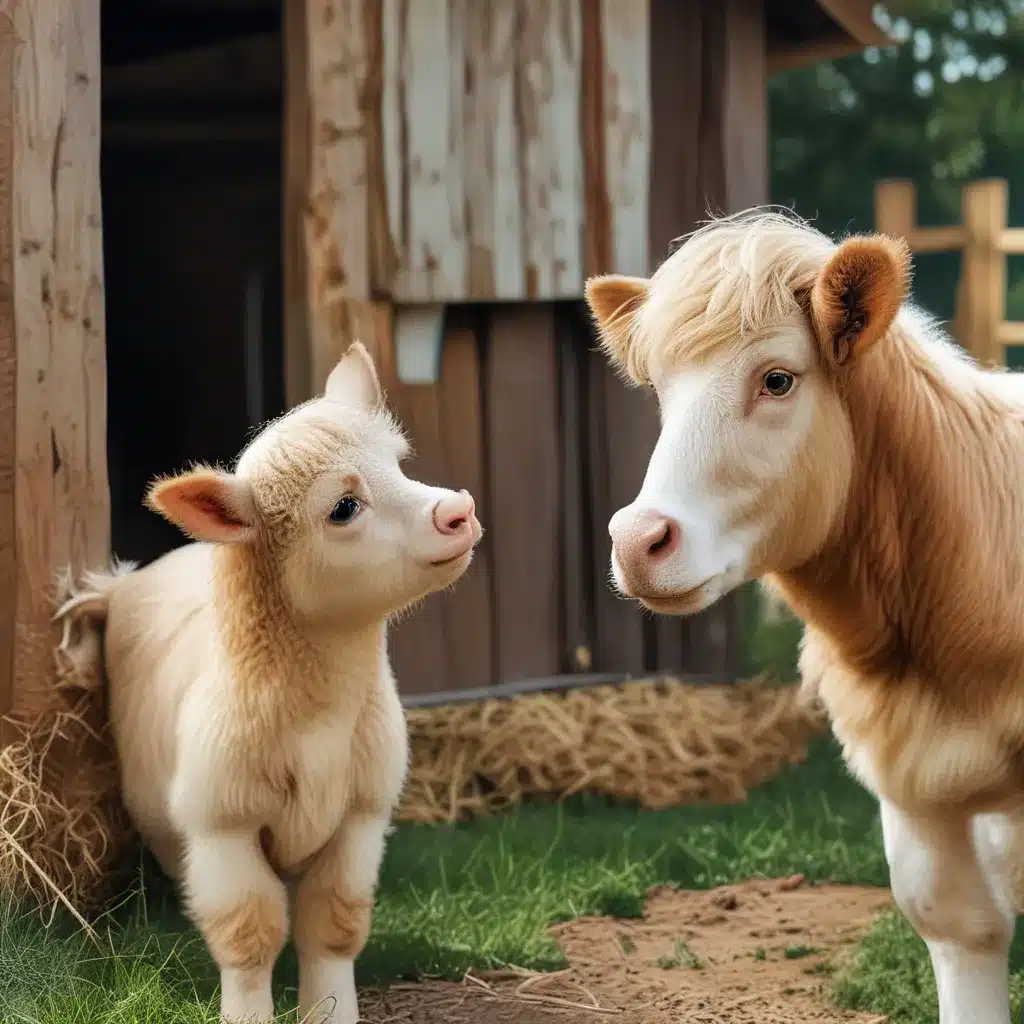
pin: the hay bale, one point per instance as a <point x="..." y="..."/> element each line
<point x="657" y="742"/>
<point x="63" y="831"/>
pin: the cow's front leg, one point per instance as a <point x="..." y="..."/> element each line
<point x="333" y="908"/>
<point x="241" y="908"/>
<point x="949" y="877"/>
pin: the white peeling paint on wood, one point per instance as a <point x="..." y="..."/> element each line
<point x="338" y="224"/>
<point x="482" y="146"/>
<point x="507" y="245"/>
<point x="393" y="46"/>
<point x="419" y="343"/>
<point x="625" y="32"/>
<point x="493" y="199"/>
<point x="425" y="200"/>
<point x="550" y="78"/>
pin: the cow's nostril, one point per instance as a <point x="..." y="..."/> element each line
<point x="453" y="514"/>
<point x="662" y="539"/>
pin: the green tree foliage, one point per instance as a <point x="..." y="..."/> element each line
<point x="943" y="106"/>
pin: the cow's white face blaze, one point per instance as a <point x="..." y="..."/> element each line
<point x="725" y="481"/>
<point x="755" y="454"/>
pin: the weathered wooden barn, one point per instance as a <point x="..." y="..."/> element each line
<point x="437" y="177"/>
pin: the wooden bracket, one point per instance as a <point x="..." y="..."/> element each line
<point x="419" y="340"/>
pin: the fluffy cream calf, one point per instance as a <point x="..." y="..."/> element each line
<point x="261" y="739"/>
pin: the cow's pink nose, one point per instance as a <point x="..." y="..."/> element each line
<point x="454" y="512"/>
<point x="641" y="541"/>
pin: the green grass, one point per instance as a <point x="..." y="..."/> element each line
<point x="891" y="974"/>
<point x="482" y="895"/>
<point x="799" y="952"/>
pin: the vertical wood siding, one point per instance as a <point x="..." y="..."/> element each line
<point x="482" y="113"/>
<point x="54" y="501"/>
<point x="494" y="152"/>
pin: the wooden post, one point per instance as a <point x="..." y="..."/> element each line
<point x="54" y="501"/>
<point x="983" y="270"/>
<point x="332" y="127"/>
<point x="706" y="156"/>
<point x="896" y="208"/>
<point x="297" y="146"/>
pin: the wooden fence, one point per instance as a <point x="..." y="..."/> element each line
<point x="984" y="240"/>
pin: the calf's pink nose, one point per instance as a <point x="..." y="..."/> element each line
<point x="454" y="512"/>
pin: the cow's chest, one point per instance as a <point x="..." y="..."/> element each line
<point x="316" y="767"/>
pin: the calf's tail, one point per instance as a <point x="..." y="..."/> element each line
<point x="82" y="613"/>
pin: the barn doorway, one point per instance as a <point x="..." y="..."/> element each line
<point x="192" y="182"/>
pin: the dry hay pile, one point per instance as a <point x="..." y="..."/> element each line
<point x="63" y="833"/>
<point x="659" y="742"/>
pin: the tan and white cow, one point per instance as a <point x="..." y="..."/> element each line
<point x="821" y="433"/>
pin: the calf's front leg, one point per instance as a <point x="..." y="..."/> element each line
<point x="950" y="878"/>
<point x="241" y="908"/>
<point x="333" y="909"/>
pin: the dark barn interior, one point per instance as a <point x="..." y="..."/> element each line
<point x="191" y="178"/>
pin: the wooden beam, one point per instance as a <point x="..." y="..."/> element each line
<point x="789" y="56"/>
<point x="675" y="203"/>
<point x="333" y="75"/>
<point x="54" y="501"/>
<point x="853" y="29"/>
<point x="626" y="30"/>
<point x="708" y="154"/>
<point x="856" y="18"/>
<point x="521" y="406"/>
<point x="296" y="147"/>
<point x="734" y="139"/>
<point x="446" y="643"/>
<point x="8" y="371"/>
<point x="615" y="112"/>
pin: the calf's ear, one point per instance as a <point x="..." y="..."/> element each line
<point x="858" y="293"/>
<point x="614" y="302"/>
<point x="206" y="504"/>
<point x="354" y="380"/>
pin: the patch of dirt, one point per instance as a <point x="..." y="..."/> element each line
<point x="754" y="953"/>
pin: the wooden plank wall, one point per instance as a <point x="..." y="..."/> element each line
<point x="519" y="418"/>
<point x="492" y="189"/>
<point x="54" y="501"/>
<point x="499" y="152"/>
<point x="708" y="156"/>
<point x="450" y="636"/>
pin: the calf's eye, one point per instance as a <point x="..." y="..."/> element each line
<point x="345" y="511"/>
<point x="777" y="383"/>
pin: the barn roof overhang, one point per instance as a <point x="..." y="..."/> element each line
<point x="805" y="31"/>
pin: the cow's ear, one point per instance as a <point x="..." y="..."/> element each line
<point x="858" y="293"/>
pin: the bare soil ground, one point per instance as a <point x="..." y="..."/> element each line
<point x="754" y="953"/>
